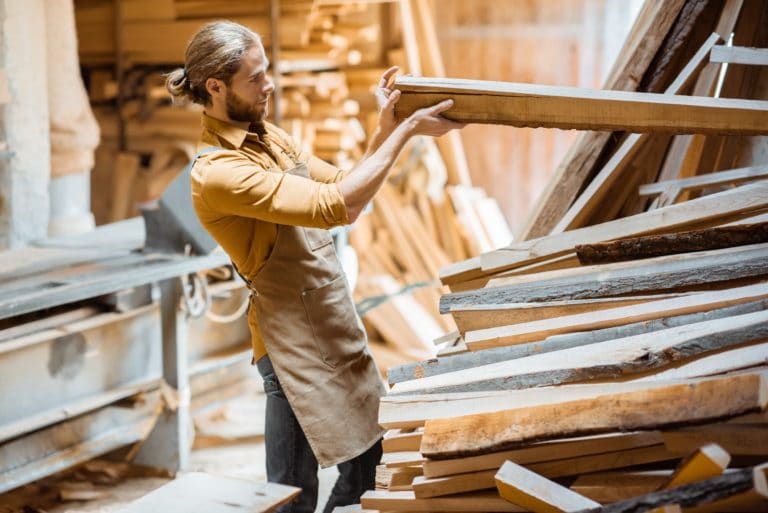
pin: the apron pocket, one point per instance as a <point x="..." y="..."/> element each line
<point x="317" y="238"/>
<point x="335" y="326"/>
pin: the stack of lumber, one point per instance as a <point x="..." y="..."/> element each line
<point x="575" y="388"/>
<point x="619" y="363"/>
<point x="331" y="56"/>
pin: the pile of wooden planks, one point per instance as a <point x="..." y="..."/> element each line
<point x="618" y="363"/>
<point x="568" y="390"/>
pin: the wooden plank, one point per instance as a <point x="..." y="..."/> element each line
<point x="597" y="190"/>
<point x="568" y="448"/>
<point x="476" y="317"/>
<point x="535" y="493"/>
<point x="651" y="246"/>
<point x="468" y="360"/>
<point x="197" y="492"/>
<point x="706" y="462"/>
<point x="700" y="493"/>
<point x="465" y="503"/>
<point x="672" y="273"/>
<point x="685" y="152"/>
<point x="401" y="440"/>
<point x="609" y="359"/>
<point x="747" y="199"/>
<point x="526" y="105"/>
<point x="739" y="55"/>
<point x="424" y="488"/>
<point x="737" y="439"/>
<point x="648" y="33"/>
<point x="613" y="486"/>
<point x="396" y="411"/>
<point x="537" y="330"/>
<point x="402" y="478"/>
<point x="731" y="176"/>
<point x="697" y="401"/>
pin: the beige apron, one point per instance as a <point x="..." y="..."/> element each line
<point x="317" y="344"/>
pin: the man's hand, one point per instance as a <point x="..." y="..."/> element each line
<point x="428" y="121"/>
<point x="386" y="98"/>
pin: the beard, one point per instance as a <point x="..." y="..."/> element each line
<point x="240" y="110"/>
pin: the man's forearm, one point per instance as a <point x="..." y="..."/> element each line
<point x="360" y="185"/>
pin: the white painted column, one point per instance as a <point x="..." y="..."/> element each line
<point x="24" y="177"/>
<point x="74" y="130"/>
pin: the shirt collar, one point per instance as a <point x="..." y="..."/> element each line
<point x="232" y="134"/>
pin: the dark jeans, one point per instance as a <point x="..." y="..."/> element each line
<point x="290" y="459"/>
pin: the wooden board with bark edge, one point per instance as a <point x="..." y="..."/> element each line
<point x="697" y="400"/>
<point x="610" y="359"/>
<point x="700" y="213"/>
<point x="538" y="330"/>
<point x="468" y="360"/>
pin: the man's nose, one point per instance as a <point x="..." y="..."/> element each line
<point x="270" y="85"/>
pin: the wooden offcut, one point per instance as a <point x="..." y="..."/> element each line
<point x="706" y="462"/>
<point x="520" y="486"/>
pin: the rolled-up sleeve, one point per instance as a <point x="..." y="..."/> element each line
<point x="233" y="185"/>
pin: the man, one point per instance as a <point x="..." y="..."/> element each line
<point x="269" y="206"/>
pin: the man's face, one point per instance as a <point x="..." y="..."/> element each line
<point x="247" y="97"/>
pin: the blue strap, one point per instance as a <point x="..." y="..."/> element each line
<point x="205" y="151"/>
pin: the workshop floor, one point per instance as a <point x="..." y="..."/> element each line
<point x="229" y="441"/>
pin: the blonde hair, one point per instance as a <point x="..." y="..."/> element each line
<point x="214" y="51"/>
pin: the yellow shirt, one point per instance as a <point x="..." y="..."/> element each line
<point x="241" y="194"/>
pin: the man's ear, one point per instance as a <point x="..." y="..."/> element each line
<point x="213" y="86"/>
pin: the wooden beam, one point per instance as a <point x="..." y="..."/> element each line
<point x="414" y="410"/>
<point x="569" y="448"/>
<point x="706" y="462"/>
<point x="701" y="493"/>
<point x="465" y="503"/>
<point x="468" y="360"/>
<point x="614" y="486"/>
<point x="526" y="105"/>
<point x="650" y="246"/>
<point x="706" y="211"/>
<point x="695" y="401"/>
<point x="731" y="176"/>
<point x="535" y="493"/>
<point x="737" y="439"/>
<point x="672" y="272"/>
<point x="595" y="193"/>
<point x="538" y="330"/>
<point x="609" y="359"/>
<point x="739" y="55"/>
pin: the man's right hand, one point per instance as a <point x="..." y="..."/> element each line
<point x="428" y="121"/>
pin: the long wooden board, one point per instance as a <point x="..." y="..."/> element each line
<point x="527" y="105"/>
<point x="467" y="360"/>
<point x="668" y="273"/>
<point x="609" y="359"/>
<point x="697" y="401"/>
<point x="537" y="330"/>
<point x="568" y="448"/>
<point x="407" y="501"/>
<point x="712" y="209"/>
<point x="701" y="493"/>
